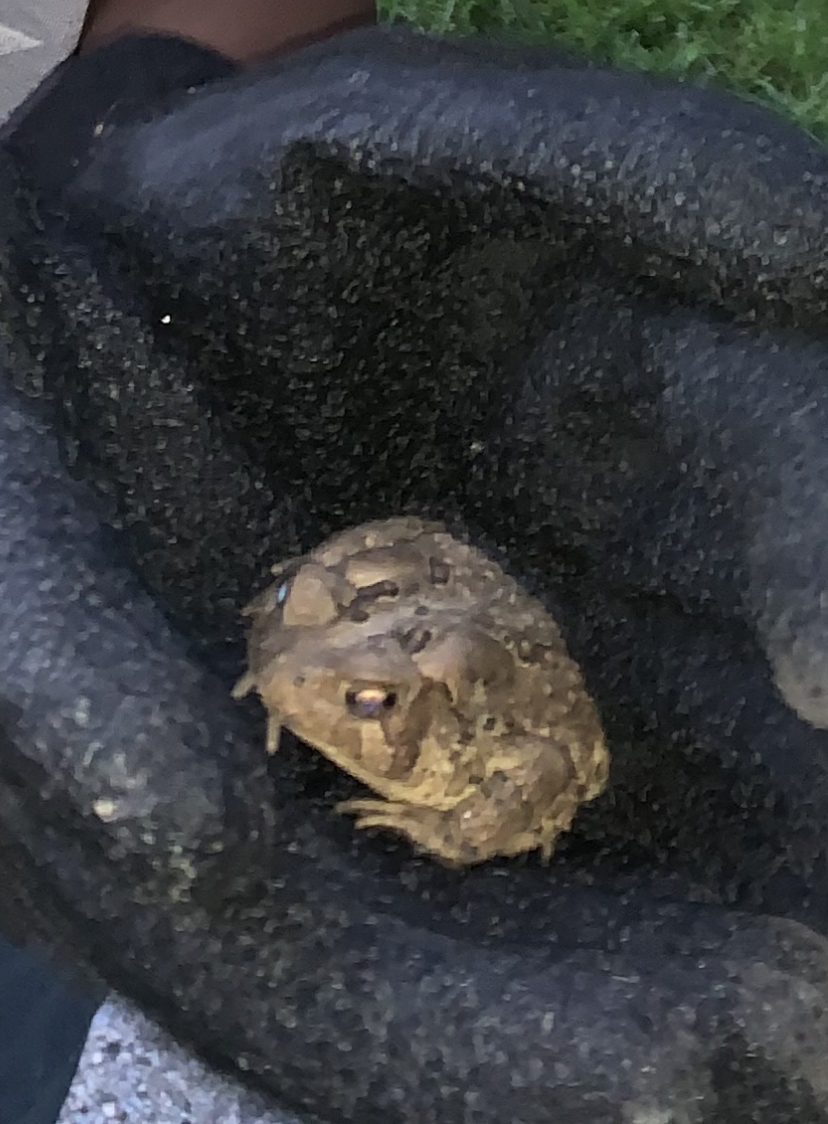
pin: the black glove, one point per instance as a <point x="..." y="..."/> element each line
<point x="581" y="312"/>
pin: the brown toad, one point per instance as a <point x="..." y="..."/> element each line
<point x="416" y="664"/>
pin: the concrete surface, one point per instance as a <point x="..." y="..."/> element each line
<point x="131" y="1072"/>
<point x="35" y="35"/>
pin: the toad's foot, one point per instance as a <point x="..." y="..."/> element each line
<point x="456" y="837"/>
<point x="426" y="828"/>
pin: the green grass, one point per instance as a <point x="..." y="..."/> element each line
<point x="774" y="51"/>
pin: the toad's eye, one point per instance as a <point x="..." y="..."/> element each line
<point x="280" y="596"/>
<point x="370" y="702"/>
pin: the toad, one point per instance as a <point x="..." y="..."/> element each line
<point x="415" y="663"/>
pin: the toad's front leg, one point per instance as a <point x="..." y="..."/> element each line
<point x="528" y="798"/>
<point x="426" y="828"/>
<point x="470" y="833"/>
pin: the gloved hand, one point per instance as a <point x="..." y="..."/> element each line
<point x="578" y="310"/>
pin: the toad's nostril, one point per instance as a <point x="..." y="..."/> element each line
<point x="414" y="640"/>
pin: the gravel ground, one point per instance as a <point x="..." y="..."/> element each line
<point x="132" y="1072"/>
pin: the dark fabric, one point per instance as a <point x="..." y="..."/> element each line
<point x="57" y="127"/>
<point x="44" y="1021"/>
<point x="579" y="313"/>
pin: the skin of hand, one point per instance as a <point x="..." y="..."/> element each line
<point x="416" y="664"/>
<point x="246" y="31"/>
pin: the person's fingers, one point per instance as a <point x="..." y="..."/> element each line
<point x="245" y="31"/>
